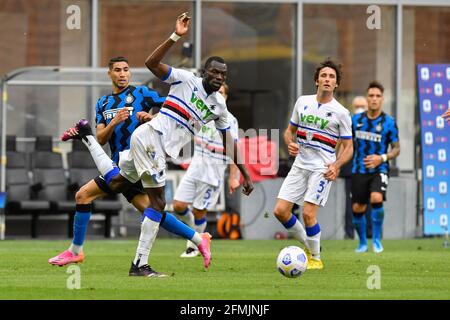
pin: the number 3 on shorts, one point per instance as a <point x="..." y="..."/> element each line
<point x="321" y="186"/>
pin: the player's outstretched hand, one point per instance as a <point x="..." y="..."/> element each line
<point x="182" y="24"/>
<point x="248" y="186"/>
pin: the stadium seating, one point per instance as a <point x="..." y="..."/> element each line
<point x="19" y="187"/>
<point x="50" y="181"/>
<point x="38" y="184"/>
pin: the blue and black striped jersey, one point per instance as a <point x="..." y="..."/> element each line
<point x="372" y="136"/>
<point x="136" y="99"/>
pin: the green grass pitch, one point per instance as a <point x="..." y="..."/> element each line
<point x="245" y="269"/>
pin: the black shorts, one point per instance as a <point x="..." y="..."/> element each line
<point x="133" y="191"/>
<point x="363" y="184"/>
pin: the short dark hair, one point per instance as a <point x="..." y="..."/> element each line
<point x="116" y="59"/>
<point x="375" y="84"/>
<point x="213" y="58"/>
<point x="330" y="64"/>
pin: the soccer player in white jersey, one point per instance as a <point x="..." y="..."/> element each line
<point x="201" y="184"/>
<point x="318" y="122"/>
<point x="192" y="102"/>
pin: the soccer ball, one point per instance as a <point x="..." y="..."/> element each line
<point x="292" y="262"/>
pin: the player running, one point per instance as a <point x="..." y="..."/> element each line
<point x="318" y="122"/>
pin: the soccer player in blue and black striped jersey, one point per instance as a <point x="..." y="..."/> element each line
<point x="118" y="114"/>
<point x="373" y="132"/>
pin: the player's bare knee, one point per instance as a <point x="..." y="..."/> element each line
<point x="178" y="206"/>
<point x="281" y="214"/>
<point x="359" y="208"/>
<point x="376" y="197"/>
<point x="82" y="196"/>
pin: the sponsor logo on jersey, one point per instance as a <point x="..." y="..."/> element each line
<point x="201" y="106"/>
<point x="369" y="136"/>
<point x="315" y="120"/>
<point x="110" y="114"/>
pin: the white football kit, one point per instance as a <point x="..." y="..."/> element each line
<point x="319" y="127"/>
<point x="187" y="108"/>
<point x="201" y="184"/>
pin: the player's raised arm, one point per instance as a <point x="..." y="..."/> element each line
<point x="153" y="62"/>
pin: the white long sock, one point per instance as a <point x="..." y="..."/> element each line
<point x="299" y="233"/>
<point x="102" y="160"/>
<point x="149" y="230"/>
<point x="195" y="241"/>
<point x="197" y="238"/>
<point x="314" y="245"/>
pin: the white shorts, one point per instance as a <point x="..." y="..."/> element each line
<point x="200" y="194"/>
<point x="146" y="159"/>
<point x="303" y="185"/>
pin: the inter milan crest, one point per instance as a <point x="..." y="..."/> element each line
<point x="129" y="99"/>
<point x="379" y="127"/>
<point x="309" y="136"/>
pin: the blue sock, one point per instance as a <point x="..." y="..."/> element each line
<point x="313" y="230"/>
<point x="173" y="225"/>
<point x="152" y="214"/>
<point x="200" y="221"/>
<point x="290" y="222"/>
<point x="80" y="223"/>
<point x="359" y="222"/>
<point x="111" y="174"/>
<point x="377" y="220"/>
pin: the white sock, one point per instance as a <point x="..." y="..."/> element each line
<point x="149" y="230"/>
<point x="75" y="249"/>
<point x="195" y="241"/>
<point x="102" y="161"/>
<point x="299" y="233"/>
<point x="187" y="218"/>
<point x="314" y="245"/>
<point x="200" y="228"/>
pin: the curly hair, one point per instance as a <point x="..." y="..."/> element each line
<point x="330" y="64"/>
